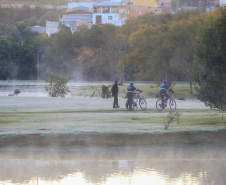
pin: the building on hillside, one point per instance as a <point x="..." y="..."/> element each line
<point x="139" y="8"/>
<point x="165" y="6"/>
<point x="186" y="7"/>
<point x="146" y="3"/>
<point x="134" y="11"/>
<point x="167" y="2"/>
<point x="166" y="9"/>
<point x="209" y="5"/>
<point x="82" y="14"/>
<point x="117" y="11"/>
<point x="68" y="21"/>
<point x="109" y="12"/>
<point x="52" y="27"/>
<point x="84" y="3"/>
<point x="76" y="17"/>
<point x="223" y="3"/>
<point x="38" y="29"/>
<point x="212" y="5"/>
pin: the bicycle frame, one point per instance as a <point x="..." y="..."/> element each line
<point x="163" y="104"/>
<point x="135" y="101"/>
<point x="137" y="98"/>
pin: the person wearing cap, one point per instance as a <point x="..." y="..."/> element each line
<point x="114" y="91"/>
<point x="130" y="92"/>
<point x="163" y="90"/>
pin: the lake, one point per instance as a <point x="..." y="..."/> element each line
<point x="114" y="166"/>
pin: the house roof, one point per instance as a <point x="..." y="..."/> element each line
<point x="72" y="20"/>
<point x="149" y="3"/>
<point x="79" y="12"/>
<point x="79" y="8"/>
<point x="39" y="29"/>
<point x="108" y="3"/>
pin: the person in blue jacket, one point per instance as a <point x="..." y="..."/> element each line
<point x="130" y="92"/>
<point x="163" y="90"/>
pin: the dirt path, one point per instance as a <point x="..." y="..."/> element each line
<point x="35" y="104"/>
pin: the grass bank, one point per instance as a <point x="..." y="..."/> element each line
<point x="101" y="129"/>
<point x="76" y="122"/>
<point x="149" y="91"/>
<point x="201" y="138"/>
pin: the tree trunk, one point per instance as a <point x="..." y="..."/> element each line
<point x="191" y="88"/>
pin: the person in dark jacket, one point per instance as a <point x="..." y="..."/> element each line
<point x="114" y="91"/>
<point x="130" y="93"/>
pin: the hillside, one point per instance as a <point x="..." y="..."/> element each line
<point x="35" y="2"/>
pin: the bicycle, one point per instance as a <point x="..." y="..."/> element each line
<point x="142" y="103"/>
<point x="162" y="104"/>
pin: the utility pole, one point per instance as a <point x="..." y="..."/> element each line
<point x="177" y="6"/>
<point x="38" y="63"/>
<point x="123" y="74"/>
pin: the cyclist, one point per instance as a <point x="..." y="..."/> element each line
<point x="130" y="92"/>
<point x="163" y="90"/>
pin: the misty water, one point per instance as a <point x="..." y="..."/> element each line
<point x="114" y="166"/>
<point x="33" y="88"/>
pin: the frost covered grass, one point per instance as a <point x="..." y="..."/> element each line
<point x="97" y="115"/>
<point x="103" y="122"/>
<point x="73" y="121"/>
<point x="149" y="91"/>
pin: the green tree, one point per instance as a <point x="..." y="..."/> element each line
<point x="17" y="53"/>
<point x="151" y="53"/>
<point x="183" y="34"/>
<point x="210" y="64"/>
<point x="58" y="54"/>
<point x="105" y="47"/>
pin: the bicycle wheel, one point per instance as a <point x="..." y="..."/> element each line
<point x="172" y="104"/>
<point x="129" y="107"/>
<point x="159" y="105"/>
<point x="142" y="103"/>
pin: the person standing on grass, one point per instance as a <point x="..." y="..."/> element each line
<point x="114" y="91"/>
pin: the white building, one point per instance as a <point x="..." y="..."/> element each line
<point x="75" y="5"/>
<point x="109" y="12"/>
<point x="223" y="2"/>
<point x="52" y="27"/>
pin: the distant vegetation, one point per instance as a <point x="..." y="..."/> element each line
<point x="28" y="16"/>
<point x="39" y="2"/>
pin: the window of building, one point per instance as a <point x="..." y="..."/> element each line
<point x="106" y="9"/>
<point x="114" y="10"/>
<point x="110" y="18"/>
<point x="96" y="9"/>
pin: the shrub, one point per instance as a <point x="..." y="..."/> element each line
<point x="16" y="92"/>
<point x="171" y="117"/>
<point x="57" y="85"/>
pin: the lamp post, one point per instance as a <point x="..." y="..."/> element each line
<point x="38" y="63"/>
